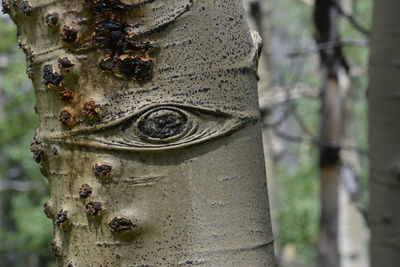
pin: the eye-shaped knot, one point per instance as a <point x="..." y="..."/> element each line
<point x="158" y="127"/>
<point x="162" y="125"/>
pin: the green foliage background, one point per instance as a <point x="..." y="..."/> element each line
<point x="25" y="233"/>
<point x="298" y="188"/>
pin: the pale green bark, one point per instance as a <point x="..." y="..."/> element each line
<point x="259" y="15"/>
<point x="384" y="135"/>
<point x="166" y="137"/>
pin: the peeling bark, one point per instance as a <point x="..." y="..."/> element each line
<point x="151" y="107"/>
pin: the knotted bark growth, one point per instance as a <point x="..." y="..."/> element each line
<point x="149" y="131"/>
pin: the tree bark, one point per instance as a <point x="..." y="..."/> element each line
<point x="353" y="231"/>
<point x="149" y="131"/>
<point x="333" y="66"/>
<point x="259" y="14"/>
<point x="384" y="135"/>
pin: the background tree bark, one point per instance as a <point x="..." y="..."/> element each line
<point x="384" y="135"/>
<point x="333" y="68"/>
<point x="149" y="131"/>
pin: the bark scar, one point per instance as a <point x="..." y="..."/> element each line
<point x="157" y="127"/>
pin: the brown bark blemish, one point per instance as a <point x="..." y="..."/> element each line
<point x="85" y="191"/>
<point x="102" y="171"/>
<point x="47" y="210"/>
<point x="66" y="118"/>
<point x="37" y="150"/>
<point x="52" y="19"/>
<point x="69" y="34"/>
<point x="91" y="110"/>
<point x="119" y="225"/>
<point x="93" y="208"/>
<point x="67" y="95"/>
<point x="50" y="77"/>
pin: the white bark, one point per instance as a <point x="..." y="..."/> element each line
<point x="151" y="137"/>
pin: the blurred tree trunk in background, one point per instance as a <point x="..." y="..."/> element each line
<point x="333" y="72"/>
<point x="353" y="231"/>
<point x="384" y="135"/>
<point x="126" y="91"/>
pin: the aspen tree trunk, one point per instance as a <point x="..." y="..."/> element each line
<point x="259" y="13"/>
<point x="384" y="135"/>
<point x="333" y="66"/>
<point x="149" y="131"/>
<point x="353" y="231"/>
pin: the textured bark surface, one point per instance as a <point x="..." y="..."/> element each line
<point x="259" y="12"/>
<point x="384" y="135"/>
<point x="149" y="131"/>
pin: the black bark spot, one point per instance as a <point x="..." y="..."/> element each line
<point x="51" y="77"/>
<point x="329" y="155"/>
<point x="26" y="8"/>
<point x="65" y="63"/>
<point x="62" y="217"/>
<point x="102" y="171"/>
<point x="109" y="64"/>
<point x="104" y="7"/>
<point x="110" y="35"/>
<point x="93" y="208"/>
<point x="52" y="19"/>
<point x="6" y="7"/>
<point x="121" y="225"/>
<point x="68" y="34"/>
<point x="135" y="68"/>
<point x="37" y="150"/>
<point x="85" y="191"/>
<point x="163" y="124"/>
